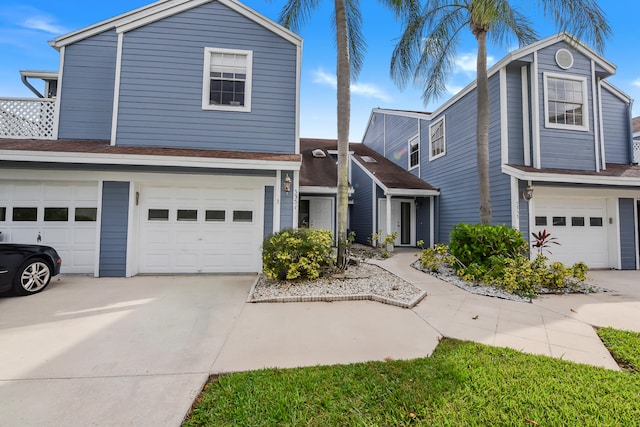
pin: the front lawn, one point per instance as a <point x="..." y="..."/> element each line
<point x="623" y="345"/>
<point x="463" y="383"/>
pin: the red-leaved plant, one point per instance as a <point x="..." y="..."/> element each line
<point x="543" y="241"/>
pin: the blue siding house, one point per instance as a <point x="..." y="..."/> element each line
<point x="163" y="145"/>
<point x="561" y="154"/>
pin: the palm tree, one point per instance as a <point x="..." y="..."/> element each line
<point x="351" y="47"/>
<point x="427" y="48"/>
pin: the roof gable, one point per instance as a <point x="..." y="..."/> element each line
<point x="164" y="8"/>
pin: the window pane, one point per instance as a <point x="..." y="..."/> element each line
<point x="595" y="221"/>
<point x="560" y="221"/>
<point x="86" y="214"/>
<point x="187" y="215"/>
<point x="541" y="220"/>
<point x="158" y="215"/>
<point x="56" y="214"/>
<point x="215" y="216"/>
<point x="242" y="216"/>
<point x="577" y="221"/>
<point x="25" y="214"/>
<point x="3" y="214"/>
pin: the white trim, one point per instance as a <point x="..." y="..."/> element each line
<point x="388" y="218"/>
<point x="132" y="231"/>
<point x="384" y="135"/>
<point x="432" y="220"/>
<point x="396" y="191"/>
<point x="206" y="80"/>
<point x="308" y="189"/>
<point x="444" y="138"/>
<point x="585" y="101"/>
<point x="615" y="91"/>
<point x="601" y="125"/>
<point x="40" y="74"/>
<point x="504" y="118"/>
<point x="535" y="113"/>
<point x="415" y="138"/>
<point x="96" y="259"/>
<point x="564" y="67"/>
<point x="374" y="202"/>
<point x="163" y="8"/>
<point x="277" y="193"/>
<point x="145" y="160"/>
<point x="402" y="113"/>
<point x="596" y="114"/>
<point x="56" y="113"/>
<point x="515" y="204"/>
<point x="526" y="135"/>
<point x="617" y="239"/>
<point x="116" y="90"/>
<point x="333" y="211"/>
<point x="567" y="178"/>
<point x="532" y="223"/>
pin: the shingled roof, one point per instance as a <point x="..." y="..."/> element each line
<point x="318" y="171"/>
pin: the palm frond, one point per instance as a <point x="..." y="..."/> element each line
<point x="509" y="22"/>
<point x="295" y="13"/>
<point x="357" y="42"/>
<point x="582" y="19"/>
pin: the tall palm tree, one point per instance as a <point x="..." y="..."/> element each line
<point x="351" y="46"/>
<point x="426" y="51"/>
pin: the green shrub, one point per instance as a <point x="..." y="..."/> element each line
<point x="476" y="243"/>
<point x="296" y="254"/>
<point x="432" y="258"/>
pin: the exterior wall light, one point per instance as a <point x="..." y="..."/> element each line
<point x="527" y="194"/>
<point x="287" y="184"/>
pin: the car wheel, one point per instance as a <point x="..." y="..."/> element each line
<point x="33" y="276"/>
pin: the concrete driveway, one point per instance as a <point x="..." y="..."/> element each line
<point x="113" y="351"/>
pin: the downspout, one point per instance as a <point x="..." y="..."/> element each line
<point x="630" y="131"/>
<point x="31" y="88"/>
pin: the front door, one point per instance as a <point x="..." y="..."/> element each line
<point x="402" y="220"/>
<point x="316" y="212"/>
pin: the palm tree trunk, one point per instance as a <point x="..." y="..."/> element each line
<point x="344" y="114"/>
<point x="482" y="130"/>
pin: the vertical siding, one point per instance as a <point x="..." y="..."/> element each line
<point x="423" y="221"/>
<point x="268" y="210"/>
<point x="514" y="114"/>
<point x="616" y="128"/>
<point x="628" y="248"/>
<point x="374" y="135"/>
<point x="86" y="101"/>
<point x="113" y="229"/>
<point x="361" y="212"/>
<point x="161" y="84"/>
<point x="286" y="204"/>
<point x="559" y="148"/>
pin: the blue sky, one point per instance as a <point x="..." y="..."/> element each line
<point x="27" y="25"/>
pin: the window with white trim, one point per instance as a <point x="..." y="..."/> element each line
<point x="227" y="79"/>
<point x="414" y="152"/>
<point x="437" y="139"/>
<point x="565" y="102"/>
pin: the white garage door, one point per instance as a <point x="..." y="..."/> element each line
<point x="579" y="224"/>
<point x="58" y="214"/>
<point x="200" y="230"/>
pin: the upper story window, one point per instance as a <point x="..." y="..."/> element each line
<point x="414" y="152"/>
<point x="437" y="139"/>
<point x="227" y="79"/>
<point x="565" y="102"/>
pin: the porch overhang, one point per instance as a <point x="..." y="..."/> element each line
<point x="614" y="175"/>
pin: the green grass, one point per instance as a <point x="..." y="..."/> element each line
<point x="624" y="346"/>
<point x="463" y="383"/>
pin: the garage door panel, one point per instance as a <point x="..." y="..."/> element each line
<point x="199" y="245"/>
<point x="579" y="242"/>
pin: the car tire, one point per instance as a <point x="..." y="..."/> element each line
<point x="33" y="276"/>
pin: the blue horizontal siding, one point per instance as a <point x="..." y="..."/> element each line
<point x="113" y="229"/>
<point x="161" y="84"/>
<point x="615" y="120"/>
<point x="628" y="248"/>
<point x="361" y="220"/>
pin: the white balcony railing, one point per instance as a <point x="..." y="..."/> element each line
<point x="636" y="152"/>
<point x="27" y="118"/>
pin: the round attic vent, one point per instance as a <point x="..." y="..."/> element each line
<point x="564" y="59"/>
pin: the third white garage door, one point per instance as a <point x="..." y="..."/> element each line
<point x="579" y="224"/>
<point x="199" y="230"/>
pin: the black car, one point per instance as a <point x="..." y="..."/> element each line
<point x="27" y="269"/>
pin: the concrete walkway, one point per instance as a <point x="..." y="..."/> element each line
<point x="134" y="352"/>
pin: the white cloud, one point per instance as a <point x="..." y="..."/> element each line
<point x="636" y="83"/>
<point x="43" y="23"/>
<point x="454" y="89"/>
<point x="466" y="63"/>
<point x="366" y="90"/>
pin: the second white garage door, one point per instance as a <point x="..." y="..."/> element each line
<point x="200" y="230"/>
<point x="579" y="224"/>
